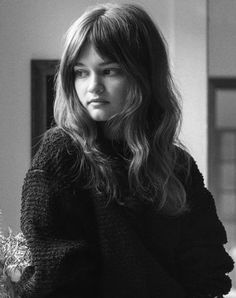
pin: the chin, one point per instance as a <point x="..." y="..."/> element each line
<point x="100" y="117"/>
<point x="100" y="120"/>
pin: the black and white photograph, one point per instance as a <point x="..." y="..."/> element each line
<point x="117" y="149"/>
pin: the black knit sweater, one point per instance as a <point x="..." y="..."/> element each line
<point x="83" y="247"/>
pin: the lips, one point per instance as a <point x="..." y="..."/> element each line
<point x="98" y="101"/>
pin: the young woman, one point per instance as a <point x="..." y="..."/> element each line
<point x="112" y="207"/>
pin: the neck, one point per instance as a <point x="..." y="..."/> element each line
<point x="105" y="131"/>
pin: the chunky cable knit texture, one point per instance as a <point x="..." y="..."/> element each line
<point x="83" y="247"/>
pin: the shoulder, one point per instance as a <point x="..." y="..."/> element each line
<point x="186" y="168"/>
<point x="57" y="150"/>
<point x="198" y="197"/>
<point x="55" y="136"/>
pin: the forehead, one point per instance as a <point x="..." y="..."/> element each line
<point x="90" y="55"/>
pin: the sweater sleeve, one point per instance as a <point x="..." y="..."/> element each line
<point x="62" y="265"/>
<point x="203" y="262"/>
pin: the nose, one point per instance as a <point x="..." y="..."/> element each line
<point x="96" y="85"/>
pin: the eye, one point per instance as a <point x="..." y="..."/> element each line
<point x="112" y="71"/>
<point x="80" y="73"/>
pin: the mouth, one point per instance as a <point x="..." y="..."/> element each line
<point x="98" y="101"/>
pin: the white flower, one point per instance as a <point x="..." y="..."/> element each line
<point x="13" y="272"/>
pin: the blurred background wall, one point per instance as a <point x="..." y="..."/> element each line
<point x="222" y="110"/>
<point x="222" y="38"/>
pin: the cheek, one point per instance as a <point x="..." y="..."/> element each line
<point x="124" y="91"/>
<point x="77" y="87"/>
<point x="79" y="91"/>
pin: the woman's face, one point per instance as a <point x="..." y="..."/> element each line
<point x="100" y="84"/>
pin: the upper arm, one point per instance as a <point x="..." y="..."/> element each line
<point x="57" y="258"/>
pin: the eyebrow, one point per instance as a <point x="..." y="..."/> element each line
<point x="78" y="63"/>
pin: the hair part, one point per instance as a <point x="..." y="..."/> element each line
<point x="150" y="119"/>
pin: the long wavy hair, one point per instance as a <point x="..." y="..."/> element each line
<point x="150" y="120"/>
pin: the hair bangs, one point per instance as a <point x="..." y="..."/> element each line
<point x="103" y="36"/>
